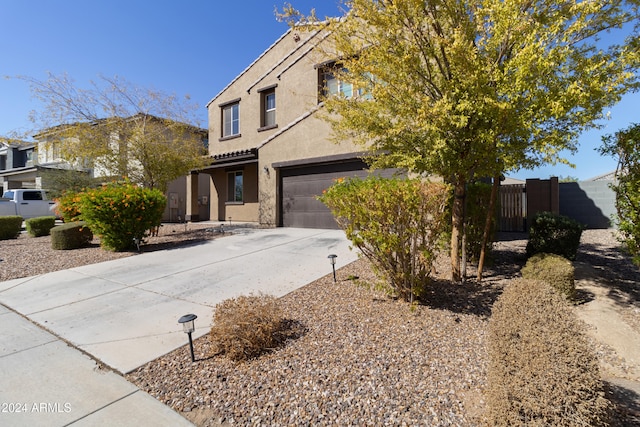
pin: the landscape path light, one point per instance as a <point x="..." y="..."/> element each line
<point x="332" y="258"/>
<point x="188" y="325"/>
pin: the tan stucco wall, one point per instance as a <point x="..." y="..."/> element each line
<point x="308" y="140"/>
<point x="220" y="209"/>
<point x="178" y="207"/>
<point x="292" y="66"/>
<point x="286" y="65"/>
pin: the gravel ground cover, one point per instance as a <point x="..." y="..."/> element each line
<point x="29" y="256"/>
<point x="356" y="357"/>
<point x="359" y="359"/>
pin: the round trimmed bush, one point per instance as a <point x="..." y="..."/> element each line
<point x="73" y="235"/>
<point x="554" y="234"/>
<point x="40" y="226"/>
<point x="10" y="227"/>
<point x="121" y="213"/>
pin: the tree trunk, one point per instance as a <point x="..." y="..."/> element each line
<point x="487" y="224"/>
<point x="457" y="218"/>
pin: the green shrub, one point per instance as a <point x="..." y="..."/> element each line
<point x="72" y="235"/>
<point x="554" y="234"/>
<point x="10" y="226"/>
<point x="120" y="213"/>
<point x="68" y="206"/>
<point x="396" y="224"/>
<point x="246" y="326"/>
<point x="542" y="370"/>
<point x="40" y="226"/>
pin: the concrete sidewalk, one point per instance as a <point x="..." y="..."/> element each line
<point x="45" y="382"/>
<point x="124" y="313"/>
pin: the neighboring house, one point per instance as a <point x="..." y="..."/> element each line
<point x="271" y="152"/>
<point x="28" y="160"/>
<point x="609" y="177"/>
<point x="20" y="166"/>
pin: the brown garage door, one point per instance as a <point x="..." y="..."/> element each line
<point x="301" y="186"/>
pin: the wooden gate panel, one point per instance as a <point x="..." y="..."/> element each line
<point x="513" y="209"/>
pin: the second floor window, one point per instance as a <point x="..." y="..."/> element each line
<point x="269" y="105"/>
<point x="331" y="85"/>
<point x="231" y="119"/>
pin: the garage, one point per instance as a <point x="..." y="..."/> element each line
<point x="300" y="185"/>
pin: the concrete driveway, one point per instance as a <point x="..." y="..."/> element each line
<point x="124" y="312"/>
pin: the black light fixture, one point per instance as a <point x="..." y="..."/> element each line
<point x="332" y="258"/>
<point x="188" y="325"/>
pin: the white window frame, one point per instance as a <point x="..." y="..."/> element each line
<point x="269" y="118"/>
<point x="230" y="119"/>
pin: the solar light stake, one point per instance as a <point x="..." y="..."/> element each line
<point x="188" y="326"/>
<point x="332" y="258"/>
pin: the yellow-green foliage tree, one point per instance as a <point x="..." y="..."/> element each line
<point x="472" y="88"/>
<point x="119" y="129"/>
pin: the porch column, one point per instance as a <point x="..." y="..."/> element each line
<point x="193" y="210"/>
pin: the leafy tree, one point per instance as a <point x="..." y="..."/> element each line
<point x="465" y="89"/>
<point x="478" y="196"/>
<point x="59" y="181"/>
<point x="568" y="178"/>
<point x="625" y="145"/>
<point x="121" y="129"/>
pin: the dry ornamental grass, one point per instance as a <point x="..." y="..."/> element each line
<point x="542" y="369"/>
<point x="246" y="326"/>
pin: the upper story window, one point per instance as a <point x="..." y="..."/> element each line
<point x="330" y="84"/>
<point x="230" y="119"/>
<point x="267" y="107"/>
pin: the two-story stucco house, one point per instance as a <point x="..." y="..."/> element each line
<point x="20" y="165"/>
<point x="271" y="152"/>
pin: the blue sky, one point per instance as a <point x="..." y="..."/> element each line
<point x="192" y="47"/>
